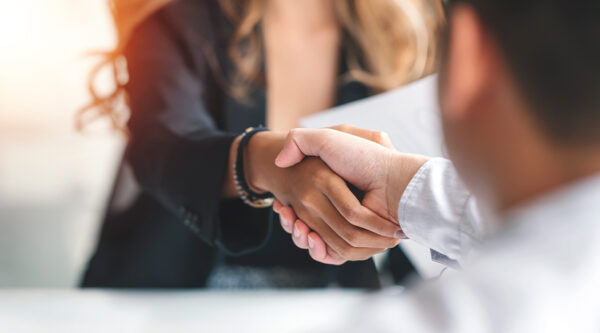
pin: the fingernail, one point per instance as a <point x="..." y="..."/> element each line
<point x="399" y="234"/>
<point x="285" y="222"/>
<point x="296" y="232"/>
<point x="277" y="159"/>
<point x="311" y="243"/>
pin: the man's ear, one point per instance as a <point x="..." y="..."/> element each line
<point x="467" y="70"/>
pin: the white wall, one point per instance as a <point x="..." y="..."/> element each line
<point x="53" y="180"/>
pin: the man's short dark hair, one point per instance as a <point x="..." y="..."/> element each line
<point x="553" y="50"/>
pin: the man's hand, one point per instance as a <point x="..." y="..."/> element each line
<point x="314" y="191"/>
<point x="381" y="173"/>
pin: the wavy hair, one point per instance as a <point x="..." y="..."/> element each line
<point x="389" y="43"/>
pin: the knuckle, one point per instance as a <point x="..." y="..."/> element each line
<point x="378" y="136"/>
<point x="378" y="225"/>
<point x="295" y="241"/>
<point x="315" y="258"/>
<point x="344" y="127"/>
<point x="339" y="262"/>
<point x="284" y="226"/>
<point x="307" y="199"/>
<point x="367" y="256"/>
<point x="352" y="214"/>
<point x="304" y="216"/>
<point x="352" y="254"/>
<point x="298" y="243"/>
<point x="322" y="176"/>
<point x="293" y="133"/>
<point x="353" y="238"/>
<point x="300" y="246"/>
<point x="393" y="243"/>
<point x="380" y="229"/>
<point x="336" y="259"/>
<point x="331" y="186"/>
<point x="344" y="251"/>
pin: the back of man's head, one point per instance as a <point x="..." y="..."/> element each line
<point x="552" y="48"/>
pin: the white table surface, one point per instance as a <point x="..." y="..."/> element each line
<point x="181" y="311"/>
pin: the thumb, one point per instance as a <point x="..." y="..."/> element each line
<point x="290" y="154"/>
<point x="299" y="143"/>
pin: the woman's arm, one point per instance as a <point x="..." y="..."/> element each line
<point x="176" y="150"/>
<point x="181" y="157"/>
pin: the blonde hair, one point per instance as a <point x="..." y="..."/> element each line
<point x="392" y="42"/>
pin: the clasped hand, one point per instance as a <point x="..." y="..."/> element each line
<point x="356" y="230"/>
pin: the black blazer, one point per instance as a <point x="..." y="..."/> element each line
<point x="168" y="225"/>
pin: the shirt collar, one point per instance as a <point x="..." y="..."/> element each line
<point x="562" y="210"/>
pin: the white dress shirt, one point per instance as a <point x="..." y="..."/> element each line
<point x="535" y="270"/>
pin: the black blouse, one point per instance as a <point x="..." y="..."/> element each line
<point x="170" y="227"/>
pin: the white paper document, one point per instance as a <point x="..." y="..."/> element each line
<point x="410" y="116"/>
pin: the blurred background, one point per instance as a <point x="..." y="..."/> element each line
<point x="53" y="180"/>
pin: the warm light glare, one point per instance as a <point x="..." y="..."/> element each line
<point x="53" y="181"/>
<point x="42" y="68"/>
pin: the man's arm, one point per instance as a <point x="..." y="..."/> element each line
<point x="426" y="197"/>
<point x="437" y="211"/>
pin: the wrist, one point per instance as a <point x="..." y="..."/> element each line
<point x="259" y="159"/>
<point x="401" y="170"/>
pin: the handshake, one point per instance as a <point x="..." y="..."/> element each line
<point x="318" y="208"/>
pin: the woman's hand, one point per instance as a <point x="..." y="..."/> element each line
<point x="303" y="237"/>
<point x="321" y="199"/>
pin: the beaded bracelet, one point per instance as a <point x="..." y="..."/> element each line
<point x="249" y="197"/>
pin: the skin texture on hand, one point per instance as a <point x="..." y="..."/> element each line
<point x="305" y="238"/>
<point x="379" y="171"/>
<point x="320" y="198"/>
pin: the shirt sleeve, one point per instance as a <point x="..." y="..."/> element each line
<point x="437" y="211"/>
<point x="178" y="153"/>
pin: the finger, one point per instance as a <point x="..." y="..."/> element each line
<point x="287" y="217"/>
<point x="338" y="150"/>
<point x="286" y="222"/>
<point x="303" y="142"/>
<point x="319" y="252"/>
<point x="333" y="258"/>
<point x="316" y="246"/>
<point x="333" y="240"/>
<point x="328" y="260"/>
<point x="351" y="234"/>
<point x="379" y="137"/>
<point x="300" y="235"/>
<point x="290" y="154"/>
<point x="346" y="203"/>
<point x="285" y="225"/>
<point x="288" y="213"/>
<point x="277" y="206"/>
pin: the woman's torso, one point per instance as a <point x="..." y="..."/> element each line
<point x="142" y="244"/>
